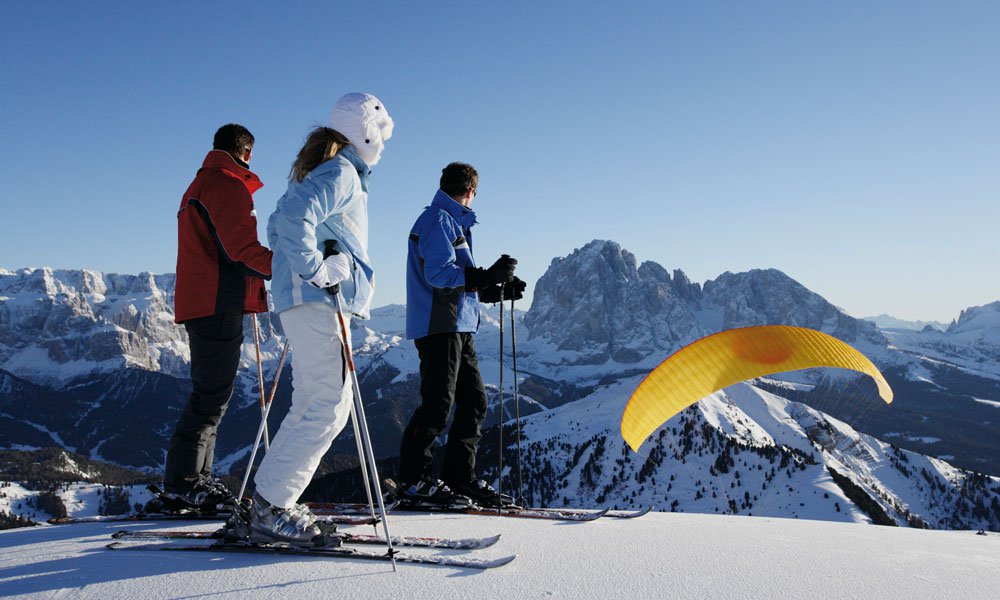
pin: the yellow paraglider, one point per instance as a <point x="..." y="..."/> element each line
<point x="728" y="357"/>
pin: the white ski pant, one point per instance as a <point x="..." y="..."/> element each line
<point x="322" y="396"/>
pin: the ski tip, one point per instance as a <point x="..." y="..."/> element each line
<point x="119" y="534"/>
<point x="113" y="545"/>
<point x="478" y="563"/>
<point x="631" y="515"/>
<point x="499" y="562"/>
<point x="587" y="517"/>
<point x="489" y="541"/>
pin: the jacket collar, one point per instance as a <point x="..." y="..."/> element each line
<point x="350" y="155"/>
<point x="220" y="159"/>
<point x="466" y="217"/>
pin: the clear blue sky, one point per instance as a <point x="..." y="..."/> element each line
<point x="853" y="145"/>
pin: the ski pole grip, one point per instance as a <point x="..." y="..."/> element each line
<point x="330" y="248"/>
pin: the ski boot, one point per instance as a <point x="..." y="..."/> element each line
<point x="296" y="525"/>
<point x="431" y="493"/>
<point x="207" y="496"/>
<point x="483" y="494"/>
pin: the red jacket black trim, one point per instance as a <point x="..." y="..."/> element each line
<point x="221" y="266"/>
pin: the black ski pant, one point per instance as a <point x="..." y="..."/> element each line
<point x="216" y="343"/>
<point x="449" y="374"/>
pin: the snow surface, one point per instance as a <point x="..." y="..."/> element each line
<point x="660" y="555"/>
<point x="677" y="470"/>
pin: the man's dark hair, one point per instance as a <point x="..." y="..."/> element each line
<point x="233" y="138"/>
<point x="458" y="178"/>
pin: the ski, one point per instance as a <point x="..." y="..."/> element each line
<point x="559" y="514"/>
<point x="341" y="507"/>
<point x="340" y="552"/>
<point x="349" y="516"/>
<point x="139" y="517"/>
<point x="347" y="538"/>
<point x="624" y="514"/>
<point x="553" y="514"/>
<point x="346" y="508"/>
<point x="329" y="518"/>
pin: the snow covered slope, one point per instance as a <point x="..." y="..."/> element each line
<point x="744" y="451"/>
<point x="59" y="325"/>
<point x="82" y="353"/>
<point x="659" y="556"/>
<point x="885" y="321"/>
<point x="972" y="343"/>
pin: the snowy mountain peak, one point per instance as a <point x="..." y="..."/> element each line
<point x="62" y="324"/>
<point x="886" y="321"/>
<point x="977" y="318"/>
<point x="598" y="305"/>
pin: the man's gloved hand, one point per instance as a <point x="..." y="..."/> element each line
<point x="511" y="291"/>
<point x="490" y="295"/>
<point x="502" y="271"/>
<point x="335" y="268"/>
<point x="514" y="290"/>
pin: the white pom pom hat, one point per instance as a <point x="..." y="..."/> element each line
<point x="363" y="119"/>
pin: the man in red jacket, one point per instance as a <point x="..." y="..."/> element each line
<point x="221" y="268"/>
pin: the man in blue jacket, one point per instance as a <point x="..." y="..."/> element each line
<point x="442" y="312"/>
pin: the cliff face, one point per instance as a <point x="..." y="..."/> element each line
<point x="598" y="303"/>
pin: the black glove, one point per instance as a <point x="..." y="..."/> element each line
<point x="329" y="249"/>
<point x="502" y="271"/>
<point x="511" y="291"/>
<point x="490" y="295"/>
<point x="514" y="290"/>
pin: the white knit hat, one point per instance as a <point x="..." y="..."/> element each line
<point x="363" y="119"/>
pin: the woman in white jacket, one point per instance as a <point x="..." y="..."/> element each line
<point x="327" y="199"/>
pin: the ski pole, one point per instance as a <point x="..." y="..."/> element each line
<point x="329" y="249"/>
<point x="260" y="380"/>
<point x="363" y="426"/>
<point x="517" y="403"/>
<point x="358" y="416"/>
<point x="500" y="414"/>
<point x="363" y="462"/>
<point x="364" y="466"/>
<point x="270" y="327"/>
<point x="263" y="420"/>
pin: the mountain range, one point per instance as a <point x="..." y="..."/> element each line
<point x="93" y="363"/>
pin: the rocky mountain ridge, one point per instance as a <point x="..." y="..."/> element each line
<point x="596" y="305"/>
<point x="82" y="353"/>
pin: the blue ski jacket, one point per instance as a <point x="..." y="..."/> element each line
<point x="331" y="203"/>
<point x="440" y="248"/>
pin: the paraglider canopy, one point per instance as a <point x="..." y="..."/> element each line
<point x="728" y="357"/>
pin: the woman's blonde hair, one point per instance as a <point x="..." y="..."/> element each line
<point x="322" y="144"/>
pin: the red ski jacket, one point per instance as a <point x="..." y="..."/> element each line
<point x="221" y="266"/>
